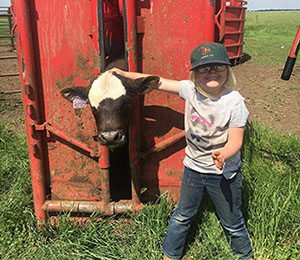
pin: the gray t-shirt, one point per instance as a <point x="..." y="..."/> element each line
<point x="206" y="125"/>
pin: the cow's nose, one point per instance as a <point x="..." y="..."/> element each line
<point x="111" y="137"/>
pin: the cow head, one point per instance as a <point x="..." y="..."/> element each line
<point x="109" y="96"/>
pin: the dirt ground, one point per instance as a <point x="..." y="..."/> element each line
<point x="270" y="100"/>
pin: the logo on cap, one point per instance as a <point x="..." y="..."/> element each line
<point x="205" y="50"/>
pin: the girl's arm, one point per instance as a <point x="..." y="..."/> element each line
<point x="233" y="145"/>
<point x="168" y="85"/>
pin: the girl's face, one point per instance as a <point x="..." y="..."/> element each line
<point x="211" y="76"/>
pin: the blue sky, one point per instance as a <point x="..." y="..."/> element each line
<point x="273" y="4"/>
<point x="4" y="2"/>
<point x="252" y="4"/>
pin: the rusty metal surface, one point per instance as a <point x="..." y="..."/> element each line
<point x="172" y="30"/>
<point x="68" y="57"/>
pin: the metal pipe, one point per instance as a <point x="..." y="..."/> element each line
<point x="208" y="21"/>
<point x="101" y="35"/>
<point x="104" y="158"/>
<point x="29" y="76"/>
<point x="129" y="16"/>
<point x="8" y="57"/>
<point x="220" y="20"/>
<point x="105" y="185"/>
<point x="164" y="144"/>
<point x="71" y="140"/>
<point x="91" y="206"/>
<point x="10" y="92"/>
<point x="135" y="185"/>
<point x="9" y="75"/>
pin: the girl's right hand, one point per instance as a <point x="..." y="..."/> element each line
<point x="218" y="159"/>
<point x="168" y="85"/>
<point x="121" y="72"/>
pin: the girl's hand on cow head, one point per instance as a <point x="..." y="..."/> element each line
<point x="218" y="159"/>
<point x="119" y="71"/>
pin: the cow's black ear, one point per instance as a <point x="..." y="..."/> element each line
<point x="145" y="85"/>
<point x="70" y="93"/>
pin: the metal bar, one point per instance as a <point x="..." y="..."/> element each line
<point x="235" y="20"/>
<point x="91" y="206"/>
<point x="105" y="185"/>
<point x="8" y="57"/>
<point x="235" y="32"/>
<point x="4" y="36"/>
<point x="11" y="92"/>
<point x="71" y="140"/>
<point x="5" y="15"/>
<point x="164" y="144"/>
<point x="9" y="75"/>
<point x="104" y="162"/>
<point x="104" y="158"/>
<point x="130" y="35"/>
<point x="33" y="116"/>
<point x="95" y="31"/>
<point x="220" y="19"/>
<point x="101" y="35"/>
<point x="135" y="185"/>
<point x="10" y="25"/>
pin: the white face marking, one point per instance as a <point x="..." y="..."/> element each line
<point x="105" y="86"/>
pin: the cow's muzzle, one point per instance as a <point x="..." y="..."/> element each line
<point x="111" y="138"/>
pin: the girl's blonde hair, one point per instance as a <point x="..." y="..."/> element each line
<point x="230" y="82"/>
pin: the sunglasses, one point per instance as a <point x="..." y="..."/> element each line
<point x="217" y="68"/>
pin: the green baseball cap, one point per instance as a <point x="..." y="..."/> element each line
<point x="209" y="52"/>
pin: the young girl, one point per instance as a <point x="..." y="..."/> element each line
<point x="215" y="116"/>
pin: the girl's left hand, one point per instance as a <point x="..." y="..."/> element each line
<point x="218" y="159"/>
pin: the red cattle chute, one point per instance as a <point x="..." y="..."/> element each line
<point x="59" y="45"/>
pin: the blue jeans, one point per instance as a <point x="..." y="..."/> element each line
<point x="227" y="198"/>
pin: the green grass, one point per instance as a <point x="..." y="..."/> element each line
<point x="269" y="36"/>
<point x="4" y="30"/>
<point x="271" y="168"/>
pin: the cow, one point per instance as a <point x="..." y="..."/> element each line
<point x="109" y="96"/>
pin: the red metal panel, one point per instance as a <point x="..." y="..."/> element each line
<point x="172" y="29"/>
<point x="234" y="29"/>
<point x="68" y="57"/>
